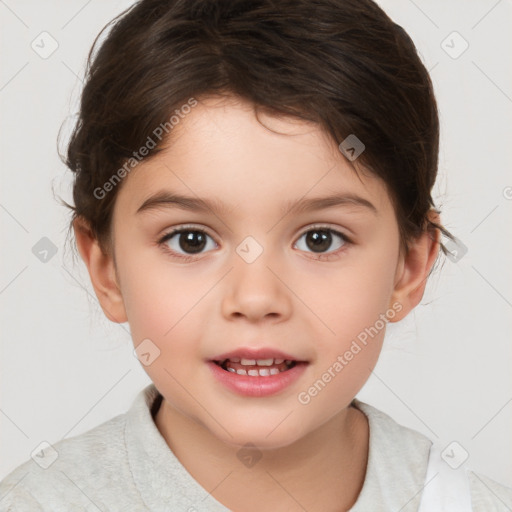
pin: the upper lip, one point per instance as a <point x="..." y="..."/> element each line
<point x="256" y="353"/>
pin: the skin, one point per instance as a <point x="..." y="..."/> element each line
<point x="288" y="298"/>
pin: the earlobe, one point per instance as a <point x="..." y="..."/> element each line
<point x="414" y="268"/>
<point x="101" y="271"/>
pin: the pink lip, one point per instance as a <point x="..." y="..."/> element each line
<point x="257" y="386"/>
<point x="256" y="353"/>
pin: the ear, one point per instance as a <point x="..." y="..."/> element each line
<point x="413" y="269"/>
<point x="101" y="271"/>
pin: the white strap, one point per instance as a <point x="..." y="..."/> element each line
<point x="446" y="489"/>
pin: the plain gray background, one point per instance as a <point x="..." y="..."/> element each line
<point x="444" y="371"/>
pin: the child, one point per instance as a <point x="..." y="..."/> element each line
<point x="294" y="146"/>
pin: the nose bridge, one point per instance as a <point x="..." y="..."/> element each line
<point x="254" y="289"/>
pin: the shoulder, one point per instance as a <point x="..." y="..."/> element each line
<point x="82" y="471"/>
<point x="401" y="456"/>
<point x="390" y="437"/>
<point x="61" y="473"/>
<point x="396" y="467"/>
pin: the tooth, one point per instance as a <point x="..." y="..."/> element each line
<point x="288" y="361"/>
<point x="274" y="371"/>
<point x="241" y="371"/>
<point x="248" y="361"/>
<point x="235" y="360"/>
<point x="278" y="361"/>
<point x="253" y="373"/>
<point x="231" y="369"/>
<point x="264" y="362"/>
<point x="264" y="372"/>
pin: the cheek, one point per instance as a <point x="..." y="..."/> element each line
<point x="161" y="308"/>
<point x="353" y="327"/>
<point x="165" y="304"/>
<point x="352" y="302"/>
<point x="154" y="295"/>
<point x="351" y="297"/>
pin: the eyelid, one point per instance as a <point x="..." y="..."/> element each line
<point x="185" y="227"/>
<point x="326" y="226"/>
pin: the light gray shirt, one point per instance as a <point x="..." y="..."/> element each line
<point x="125" y="464"/>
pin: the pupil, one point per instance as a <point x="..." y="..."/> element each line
<point x="193" y="241"/>
<point x="320" y="240"/>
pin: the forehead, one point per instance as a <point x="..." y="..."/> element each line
<point x="220" y="150"/>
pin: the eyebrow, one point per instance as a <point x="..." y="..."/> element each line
<point x="167" y="199"/>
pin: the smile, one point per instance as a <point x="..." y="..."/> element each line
<point x="256" y="367"/>
<point x="248" y="377"/>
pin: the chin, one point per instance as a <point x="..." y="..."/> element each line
<point x="261" y="437"/>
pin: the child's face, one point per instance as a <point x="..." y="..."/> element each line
<point x="311" y="305"/>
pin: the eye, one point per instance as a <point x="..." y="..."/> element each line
<point x="190" y="240"/>
<point x="320" y="238"/>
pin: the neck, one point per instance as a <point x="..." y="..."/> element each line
<point x="323" y="471"/>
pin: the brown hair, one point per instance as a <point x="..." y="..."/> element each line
<point x="343" y="64"/>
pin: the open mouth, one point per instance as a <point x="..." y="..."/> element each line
<point x="256" y="367"/>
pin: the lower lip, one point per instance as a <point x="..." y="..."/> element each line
<point x="257" y="386"/>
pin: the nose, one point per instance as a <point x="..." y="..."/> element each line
<point x="256" y="291"/>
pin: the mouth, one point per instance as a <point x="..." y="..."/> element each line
<point x="257" y="367"/>
<point x="257" y="372"/>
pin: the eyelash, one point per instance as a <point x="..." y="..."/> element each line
<point x="186" y="258"/>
